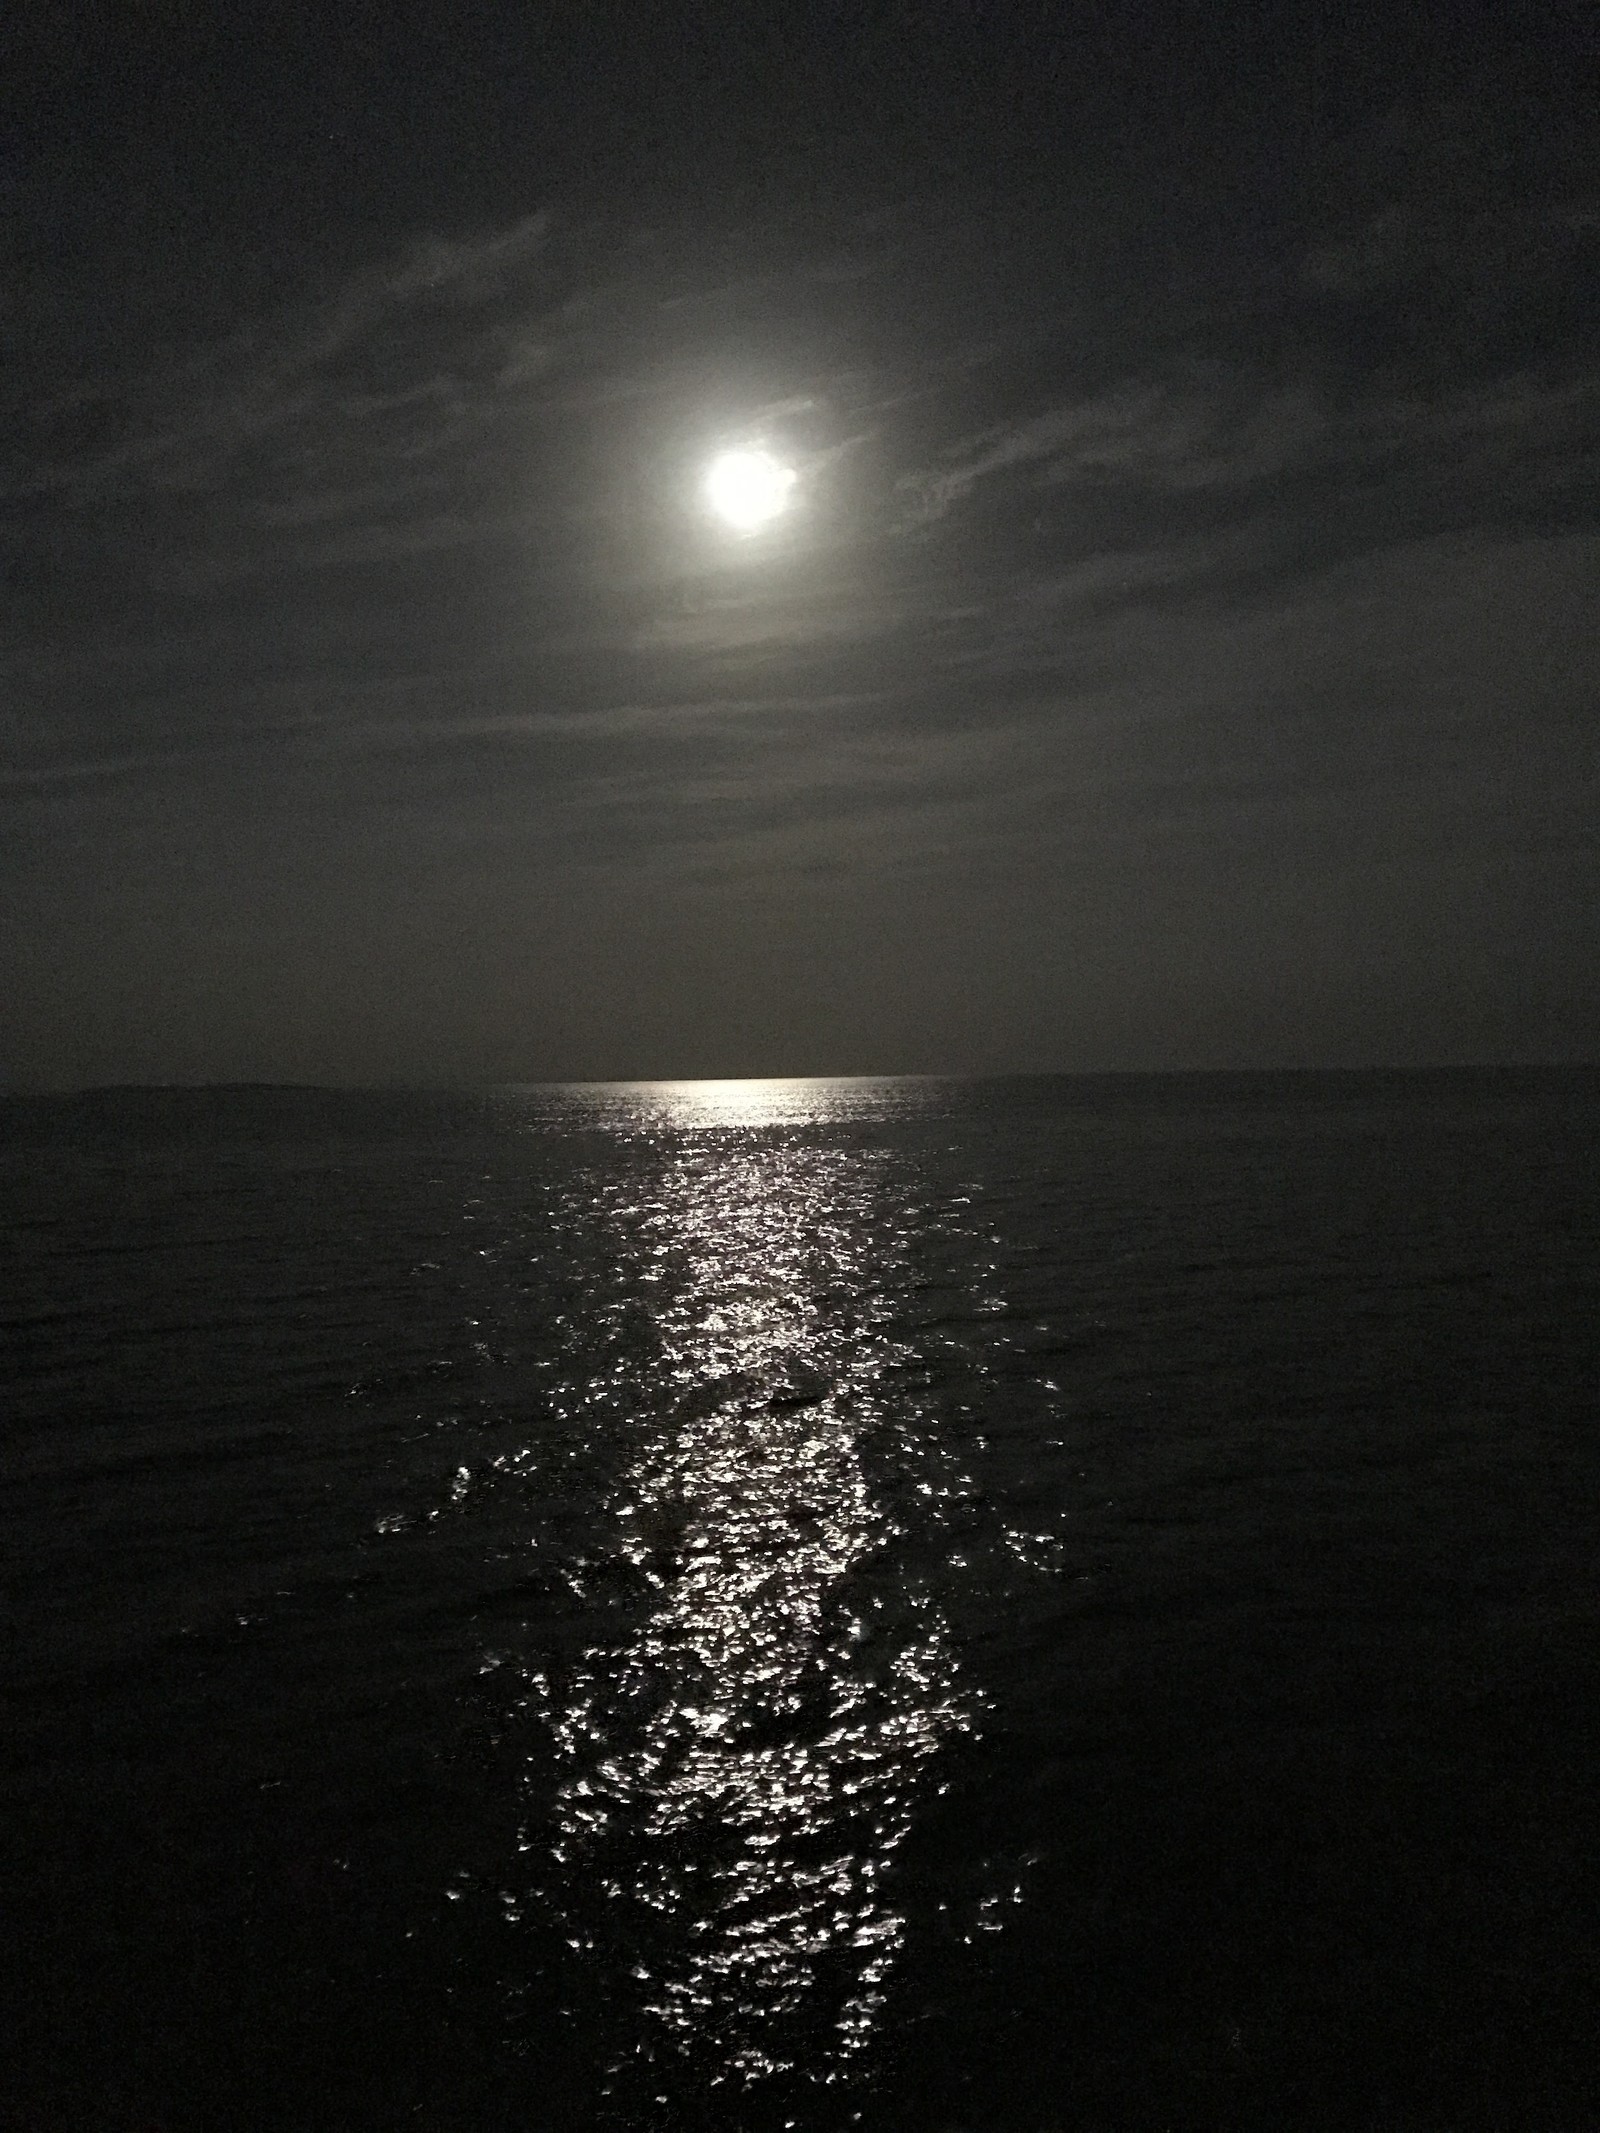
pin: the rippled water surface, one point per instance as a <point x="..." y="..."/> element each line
<point x="1036" y="1605"/>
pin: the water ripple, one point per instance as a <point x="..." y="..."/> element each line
<point x="738" y="1772"/>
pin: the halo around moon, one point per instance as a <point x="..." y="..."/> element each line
<point x="748" y="488"/>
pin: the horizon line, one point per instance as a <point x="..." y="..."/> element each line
<point x="475" y="1086"/>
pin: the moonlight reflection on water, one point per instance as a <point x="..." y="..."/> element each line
<point x="737" y="1773"/>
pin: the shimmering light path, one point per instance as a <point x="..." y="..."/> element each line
<point x="738" y="1772"/>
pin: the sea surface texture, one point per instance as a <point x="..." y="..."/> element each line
<point x="1047" y="1604"/>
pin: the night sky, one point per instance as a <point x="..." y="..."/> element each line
<point x="1183" y="651"/>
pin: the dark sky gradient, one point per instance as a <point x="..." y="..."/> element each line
<point x="1187" y="654"/>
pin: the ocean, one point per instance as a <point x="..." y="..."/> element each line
<point x="1060" y="1603"/>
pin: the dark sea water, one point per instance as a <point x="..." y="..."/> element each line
<point x="1056" y="1604"/>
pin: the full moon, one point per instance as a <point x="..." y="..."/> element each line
<point x="748" y="488"/>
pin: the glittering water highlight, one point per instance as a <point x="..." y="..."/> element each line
<point x="745" y="1765"/>
<point x="735" y="1765"/>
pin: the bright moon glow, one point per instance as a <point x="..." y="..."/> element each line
<point x="748" y="488"/>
